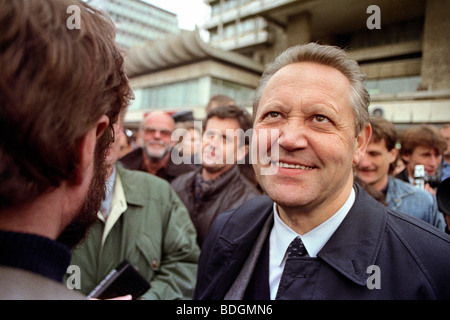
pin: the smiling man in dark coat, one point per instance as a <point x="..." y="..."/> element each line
<point x="317" y="234"/>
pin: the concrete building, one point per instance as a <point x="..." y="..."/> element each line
<point x="182" y="72"/>
<point x="138" y="22"/>
<point x="403" y="45"/>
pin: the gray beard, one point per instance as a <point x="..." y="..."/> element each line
<point x="155" y="156"/>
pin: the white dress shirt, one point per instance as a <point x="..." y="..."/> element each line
<point x="106" y="203"/>
<point x="114" y="205"/>
<point x="281" y="236"/>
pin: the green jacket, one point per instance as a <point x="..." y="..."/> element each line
<point x="155" y="234"/>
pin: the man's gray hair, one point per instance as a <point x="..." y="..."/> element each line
<point x="329" y="56"/>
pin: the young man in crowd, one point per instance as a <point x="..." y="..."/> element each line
<point x="424" y="145"/>
<point x="445" y="165"/>
<point x="401" y="196"/>
<point x="219" y="100"/>
<point x="218" y="184"/>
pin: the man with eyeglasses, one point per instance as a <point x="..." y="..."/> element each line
<point x="153" y="156"/>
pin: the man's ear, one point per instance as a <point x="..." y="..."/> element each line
<point x="406" y="157"/>
<point x="362" y="140"/>
<point x="393" y="155"/>
<point x="87" y="149"/>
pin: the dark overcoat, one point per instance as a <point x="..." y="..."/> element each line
<point x="404" y="258"/>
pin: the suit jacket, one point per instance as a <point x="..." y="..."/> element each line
<point x="413" y="257"/>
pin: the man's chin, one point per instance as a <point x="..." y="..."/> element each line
<point x="156" y="154"/>
<point x="211" y="167"/>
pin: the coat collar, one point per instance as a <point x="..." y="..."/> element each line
<point x="132" y="190"/>
<point x="118" y="207"/>
<point x="356" y="243"/>
<point x="217" y="185"/>
<point x="351" y="249"/>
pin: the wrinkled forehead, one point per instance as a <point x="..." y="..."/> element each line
<point x="159" y="121"/>
<point x="316" y="76"/>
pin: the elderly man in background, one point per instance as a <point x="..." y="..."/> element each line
<point x="154" y="154"/>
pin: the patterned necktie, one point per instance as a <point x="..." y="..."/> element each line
<point x="296" y="249"/>
<point x="294" y="272"/>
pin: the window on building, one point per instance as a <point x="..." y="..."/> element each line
<point x="187" y="94"/>
<point x="241" y="94"/>
<point x="175" y="95"/>
<point x="395" y="33"/>
<point x="393" y="85"/>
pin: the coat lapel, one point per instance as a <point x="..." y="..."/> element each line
<point x="356" y="243"/>
<point x="238" y="230"/>
<point x="239" y="286"/>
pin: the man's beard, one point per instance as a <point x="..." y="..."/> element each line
<point x="79" y="227"/>
<point x="156" y="155"/>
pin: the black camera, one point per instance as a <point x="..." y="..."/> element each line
<point x="434" y="181"/>
<point x="443" y="196"/>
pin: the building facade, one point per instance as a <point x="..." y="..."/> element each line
<point x="138" y="22"/>
<point x="401" y="45"/>
<point x="182" y="72"/>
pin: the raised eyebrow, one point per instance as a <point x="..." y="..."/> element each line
<point x="272" y="106"/>
<point x="321" y="109"/>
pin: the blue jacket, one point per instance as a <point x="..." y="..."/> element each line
<point x="420" y="204"/>
<point x="413" y="257"/>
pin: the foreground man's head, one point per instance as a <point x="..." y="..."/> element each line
<point x="62" y="86"/>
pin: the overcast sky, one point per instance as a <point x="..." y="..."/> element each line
<point x="190" y="12"/>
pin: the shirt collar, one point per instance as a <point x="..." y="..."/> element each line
<point x="281" y="235"/>
<point x="106" y="204"/>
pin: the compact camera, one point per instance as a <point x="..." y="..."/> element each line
<point x="421" y="178"/>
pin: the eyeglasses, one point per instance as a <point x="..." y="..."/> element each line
<point x="152" y="131"/>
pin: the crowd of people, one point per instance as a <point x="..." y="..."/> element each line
<point x="331" y="195"/>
